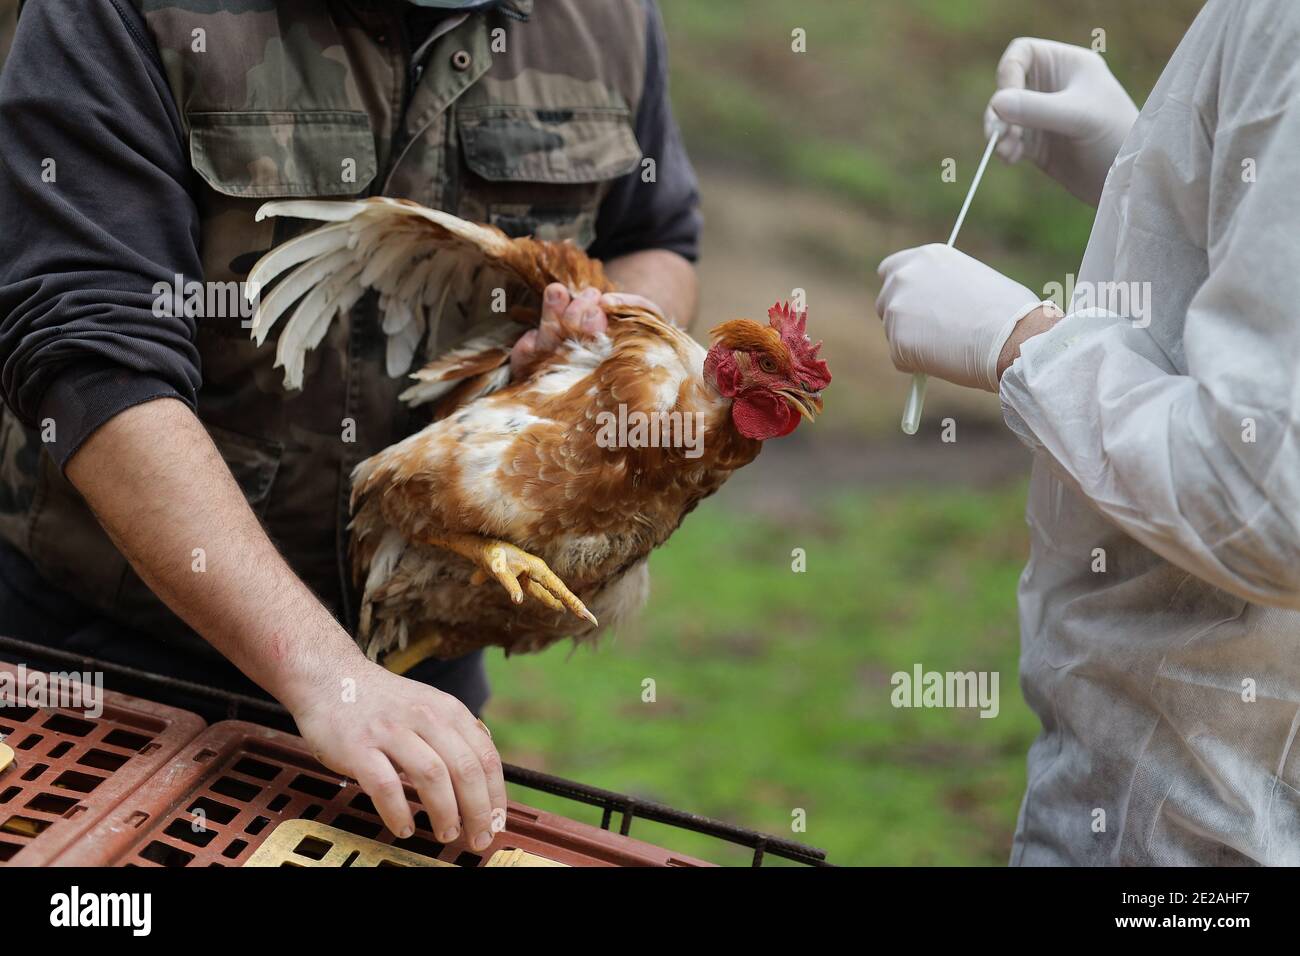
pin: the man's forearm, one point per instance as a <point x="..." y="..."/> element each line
<point x="162" y="492"/>
<point x="661" y="276"/>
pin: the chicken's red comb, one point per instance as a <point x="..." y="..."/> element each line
<point x="792" y="326"/>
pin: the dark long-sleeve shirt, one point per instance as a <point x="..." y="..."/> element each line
<point x="97" y="207"/>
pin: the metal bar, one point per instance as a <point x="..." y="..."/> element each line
<point x="234" y="701"/>
<point x="594" y="796"/>
<point x="608" y="800"/>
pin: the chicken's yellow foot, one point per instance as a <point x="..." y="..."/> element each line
<point x="516" y="570"/>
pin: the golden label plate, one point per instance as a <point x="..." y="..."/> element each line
<point x="308" y="843"/>
<point x="6" y="757"/>
<point x="520" y="858"/>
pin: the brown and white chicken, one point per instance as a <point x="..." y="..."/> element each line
<point x="530" y="483"/>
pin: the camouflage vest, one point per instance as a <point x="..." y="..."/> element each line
<point x="520" y="117"/>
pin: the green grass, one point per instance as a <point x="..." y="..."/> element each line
<point x="773" y="687"/>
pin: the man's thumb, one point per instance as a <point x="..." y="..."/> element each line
<point x="1033" y="110"/>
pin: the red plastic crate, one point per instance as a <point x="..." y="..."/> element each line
<point x="70" y="771"/>
<point x="238" y="781"/>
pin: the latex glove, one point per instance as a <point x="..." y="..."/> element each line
<point x="1066" y="112"/>
<point x="949" y="315"/>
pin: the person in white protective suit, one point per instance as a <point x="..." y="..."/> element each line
<point x="1160" y="609"/>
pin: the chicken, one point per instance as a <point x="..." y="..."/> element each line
<point x="525" y="513"/>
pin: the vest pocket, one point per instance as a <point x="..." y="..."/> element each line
<point x="247" y="158"/>
<point x="543" y="171"/>
<point x="262" y="155"/>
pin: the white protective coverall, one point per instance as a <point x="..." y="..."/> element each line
<point x="1168" y="684"/>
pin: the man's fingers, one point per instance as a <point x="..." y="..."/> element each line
<point x="1052" y="112"/>
<point x="549" y="332"/>
<point x="542" y="340"/>
<point x="584" y="316"/>
<point x="376" y="776"/>
<point x="523" y="354"/>
<point x="892" y="263"/>
<point x="479" y="739"/>
<point x="429" y="775"/>
<point x="555" y="299"/>
<point x="620" y="300"/>
<point x="1013" y="68"/>
<point x="563" y="316"/>
<point x="467" y="779"/>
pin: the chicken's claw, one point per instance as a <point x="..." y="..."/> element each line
<point x="517" y="571"/>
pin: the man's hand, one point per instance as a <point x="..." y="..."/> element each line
<point x="949" y="315"/>
<point x="160" y="489"/>
<point x="1065" y="110"/>
<point x="563" y="316"/>
<point x="388" y="723"/>
<point x="566" y="316"/>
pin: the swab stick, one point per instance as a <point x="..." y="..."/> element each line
<point x="916" y="394"/>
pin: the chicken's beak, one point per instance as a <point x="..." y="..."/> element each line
<point x="807" y="404"/>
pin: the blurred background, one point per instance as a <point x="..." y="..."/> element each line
<point x="772" y="687"/>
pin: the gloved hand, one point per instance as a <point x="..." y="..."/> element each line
<point x="1066" y="112"/>
<point x="949" y="315"/>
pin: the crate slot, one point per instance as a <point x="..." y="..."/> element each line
<point x="166" y="855"/>
<point x="53" y="803"/>
<point x="78" y="781"/>
<point x="191" y="831"/>
<point x="256" y="768"/>
<point x="102" y="760"/>
<point x="127" y="740"/>
<point x="236" y="789"/>
<point x="62" y="723"/>
<point x="25" y="826"/>
<point x="213" y="810"/>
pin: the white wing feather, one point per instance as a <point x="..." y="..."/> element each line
<point x="417" y="258"/>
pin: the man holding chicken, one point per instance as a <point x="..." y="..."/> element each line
<point x="156" y="483"/>
<point x="1161" y="605"/>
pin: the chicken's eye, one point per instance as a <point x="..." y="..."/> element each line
<point x="767" y="364"/>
